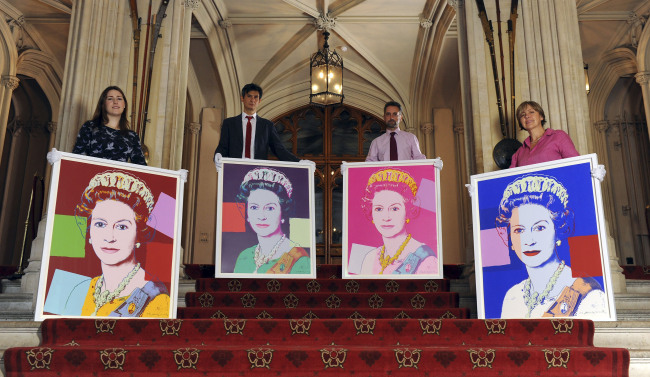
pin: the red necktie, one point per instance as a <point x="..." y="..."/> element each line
<point x="393" y="147"/>
<point x="249" y="131"/>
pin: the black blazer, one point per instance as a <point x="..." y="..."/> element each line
<point x="231" y="143"/>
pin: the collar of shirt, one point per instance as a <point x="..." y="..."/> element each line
<point x="547" y="132"/>
<point x="244" y="120"/>
<point x="389" y="131"/>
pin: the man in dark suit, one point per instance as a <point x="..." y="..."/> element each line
<point x="249" y="136"/>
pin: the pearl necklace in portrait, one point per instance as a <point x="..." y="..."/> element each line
<point x="101" y="298"/>
<point x="260" y="259"/>
<point x="386" y="261"/>
<point x="535" y="299"/>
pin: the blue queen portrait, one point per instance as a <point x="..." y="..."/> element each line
<point x="535" y="220"/>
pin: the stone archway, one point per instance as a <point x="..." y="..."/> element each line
<point x="26" y="145"/>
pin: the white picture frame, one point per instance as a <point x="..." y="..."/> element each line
<point x="244" y="241"/>
<point x="414" y="186"/>
<point x="71" y="269"/>
<point x="515" y="212"/>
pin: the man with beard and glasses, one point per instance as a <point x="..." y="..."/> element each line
<point x="395" y="144"/>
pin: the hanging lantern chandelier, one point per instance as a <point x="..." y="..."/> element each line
<point x="326" y="76"/>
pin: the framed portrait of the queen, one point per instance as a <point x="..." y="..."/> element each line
<point x="112" y="240"/>
<point x="265" y="219"/>
<point x="540" y="242"/>
<point x="391" y="220"/>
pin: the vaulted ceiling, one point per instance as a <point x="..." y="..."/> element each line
<point x="403" y="50"/>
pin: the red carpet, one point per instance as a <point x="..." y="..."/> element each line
<point x="320" y="285"/>
<point x="364" y="347"/>
<point x="636" y="272"/>
<point x="414" y="300"/>
<point x="282" y="313"/>
<point x="319" y="327"/>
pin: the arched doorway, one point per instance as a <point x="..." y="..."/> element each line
<point x="328" y="136"/>
<point x="628" y="161"/>
<point x="24" y="152"/>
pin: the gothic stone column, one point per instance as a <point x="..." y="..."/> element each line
<point x="428" y="147"/>
<point x="548" y="66"/>
<point x="7" y="86"/>
<point x="166" y="125"/>
<point x="193" y="132"/>
<point x="95" y="59"/>
<point x="643" y="78"/>
<point x="600" y="144"/>
<point x="551" y="69"/>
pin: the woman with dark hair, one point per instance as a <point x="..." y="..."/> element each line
<point x="534" y="220"/>
<point x="542" y="145"/>
<point x="107" y="134"/>
<point x="389" y="201"/>
<point x="113" y="215"/>
<point x="266" y="194"/>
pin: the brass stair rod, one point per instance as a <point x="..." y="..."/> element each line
<point x="29" y="212"/>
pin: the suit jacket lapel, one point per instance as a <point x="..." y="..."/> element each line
<point x="239" y="134"/>
<point x="260" y="136"/>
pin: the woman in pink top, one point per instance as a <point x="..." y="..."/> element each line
<point x="543" y="144"/>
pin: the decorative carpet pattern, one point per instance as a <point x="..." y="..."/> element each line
<point x="317" y="327"/>
<point x="320" y="285"/>
<point x="421" y="300"/>
<point x="318" y="313"/>
<point x="301" y="347"/>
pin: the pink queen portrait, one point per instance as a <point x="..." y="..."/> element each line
<point x="391" y="220"/>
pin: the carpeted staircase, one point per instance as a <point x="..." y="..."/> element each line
<point x="322" y="327"/>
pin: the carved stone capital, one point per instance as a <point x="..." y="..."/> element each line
<point x="455" y="4"/>
<point x="427" y="128"/>
<point x="16" y="22"/>
<point x="325" y="22"/>
<point x="193" y="128"/>
<point x="225" y="24"/>
<point x="425" y="23"/>
<point x="642" y="77"/>
<point x="193" y="4"/>
<point x="636" y="23"/>
<point x="602" y="126"/>
<point x="51" y="127"/>
<point x="459" y="128"/>
<point x="10" y="82"/>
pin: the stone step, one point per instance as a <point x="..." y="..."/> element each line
<point x="10" y="286"/>
<point x="460" y="286"/>
<point x="15" y="302"/>
<point x="632" y="315"/>
<point x="632" y="301"/>
<point x="16" y="315"/>
<point x="184" y="286"/>
<point x="631" y="334"/>
<point x="17" y="334"/>
<point x="638" y="286"/>
<point x="627" y="334"/>
<point x="640" y="363"/>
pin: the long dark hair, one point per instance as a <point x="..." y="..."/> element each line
<point x="100" y="117"/>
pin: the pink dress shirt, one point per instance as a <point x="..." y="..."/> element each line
<point x="408" y="147"/>
<point x="553" y="145"/>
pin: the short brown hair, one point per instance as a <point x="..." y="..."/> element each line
<point x="392" y="103"/>
<point x="535" y="106"/>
